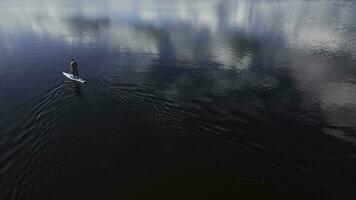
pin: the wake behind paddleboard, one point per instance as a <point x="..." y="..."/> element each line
<point x="71" y="77"/>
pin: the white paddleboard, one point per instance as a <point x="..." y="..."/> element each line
<point x="71" y="77"/>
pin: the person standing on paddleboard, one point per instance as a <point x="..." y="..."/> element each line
<point x="74" y="68"/>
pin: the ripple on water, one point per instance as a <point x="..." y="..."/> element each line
<point x="195" y="117"/>
<point x="24" y="142"/>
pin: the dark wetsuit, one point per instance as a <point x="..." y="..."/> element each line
<point x="73" y="67"/>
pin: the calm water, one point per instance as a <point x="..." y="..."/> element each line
<point x="206" y="99"/>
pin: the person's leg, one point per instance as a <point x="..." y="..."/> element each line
<point x="75" y="73"/>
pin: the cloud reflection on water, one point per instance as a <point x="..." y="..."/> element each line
<point x="309" y="38"/>
<point x="298" y="24"/>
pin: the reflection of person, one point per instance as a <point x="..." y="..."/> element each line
<point x="74" y="68"/>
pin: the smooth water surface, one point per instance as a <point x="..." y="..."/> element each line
<point x="206" y="99"/>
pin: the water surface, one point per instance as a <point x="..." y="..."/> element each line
<point x="183" y="100"/>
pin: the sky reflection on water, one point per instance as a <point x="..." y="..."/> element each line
<point x="231" y="77"/>
<point x="314" y="39"/>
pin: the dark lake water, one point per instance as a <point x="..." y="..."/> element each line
<point x="206" y="99"/>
